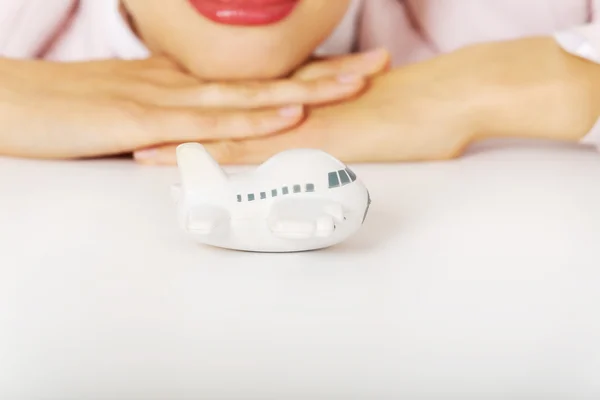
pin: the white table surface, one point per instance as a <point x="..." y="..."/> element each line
<point x="477" y="278"/>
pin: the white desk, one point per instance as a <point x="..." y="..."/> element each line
<point x="477" y="278"/>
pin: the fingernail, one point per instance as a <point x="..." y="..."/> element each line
<point x="291" y="111"/>
<point x="145" y="155"/>
<point x="349" y="78"/>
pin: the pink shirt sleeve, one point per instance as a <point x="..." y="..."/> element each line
<point x="387" y="23"/>
<point x="27" y="26"/>
<point x="584" y="41"/>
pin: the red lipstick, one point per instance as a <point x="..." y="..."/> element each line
<point x="245" y="12"/>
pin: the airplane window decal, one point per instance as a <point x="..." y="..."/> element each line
<point x="334" y="181"/>
<point x="351" y="174"/>
<point x="344" y="178"/>
<point x="309" y="188"/>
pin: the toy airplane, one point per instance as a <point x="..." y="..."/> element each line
<point x="298" y="200"/>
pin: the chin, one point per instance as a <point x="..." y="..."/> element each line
<point x="244" y="68"/>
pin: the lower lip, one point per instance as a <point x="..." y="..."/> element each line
<point x="245" y="12"/>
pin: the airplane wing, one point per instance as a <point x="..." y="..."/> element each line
<point x="206" y="220"/>
<point x="301" y="218"/>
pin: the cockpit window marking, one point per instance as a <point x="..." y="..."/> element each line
<point x="344" y="178"/>
<point x="351" y="174"/>
<point x="334" y="181"/>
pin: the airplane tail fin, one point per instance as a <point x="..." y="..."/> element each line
<point x="197" y="167"/>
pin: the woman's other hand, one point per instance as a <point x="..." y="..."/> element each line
<point x="527" y="88"/>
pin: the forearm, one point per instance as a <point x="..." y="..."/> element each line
<point x="535" y="90"/>
<point x="10" y="79"/>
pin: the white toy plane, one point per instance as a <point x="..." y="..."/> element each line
<point x="298" y="200"/>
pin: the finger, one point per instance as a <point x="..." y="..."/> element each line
<point x="158" y="155"/>
<point x="149" y="78"/>
<point x="249" y="95"/>
<point x="230" y="152"/>
<point x="183" y="125"/>
<point x="365" y="64"/>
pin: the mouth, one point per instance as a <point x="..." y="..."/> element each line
<point x="245" y="12"/>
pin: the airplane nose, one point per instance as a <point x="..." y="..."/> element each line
<point x="367" y="208"/>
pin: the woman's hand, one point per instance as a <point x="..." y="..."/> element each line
<point x="433" y="110"/>
<point x="395" y="120"/>
<point x="72" y="110"/>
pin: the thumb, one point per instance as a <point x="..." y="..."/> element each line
<point x="226" y="152"/>
<point x="232" y="152"/>
<point x="363" y="64"/>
